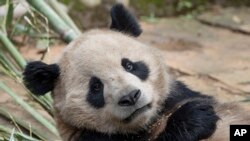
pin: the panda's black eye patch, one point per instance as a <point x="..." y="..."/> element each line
<point x="96" y="87"/>
<point x="95" y="95"/>
<point x="139" y="69"/>
<point x="129" y="66"/>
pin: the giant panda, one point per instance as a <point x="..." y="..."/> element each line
<point x="107" y="86"/>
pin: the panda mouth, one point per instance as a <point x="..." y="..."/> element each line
<point x="137" y="112"/>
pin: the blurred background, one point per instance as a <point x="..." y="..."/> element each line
<point x="205" y="43"/>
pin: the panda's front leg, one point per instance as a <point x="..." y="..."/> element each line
<point x="194" y="121"/>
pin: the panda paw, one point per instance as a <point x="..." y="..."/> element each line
<point x="194" y="121"/>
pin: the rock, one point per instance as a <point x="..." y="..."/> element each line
<point x="231" y="18"/>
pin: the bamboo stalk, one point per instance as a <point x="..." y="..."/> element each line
<point x="58" y="24"/>
<point x="45" y="103"/>
<point x="12" y="50"/>
<point x="8" y="131"/>
<point x="9" y="64"/>
<point x="55" y="5"/>
<point x="29" y="109"/>
<point x="6" y="68"/>
<point x="8" y="17"/>
<point x="49" y="97"/>
<point x="23" y="124"/>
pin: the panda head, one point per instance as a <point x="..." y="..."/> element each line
<point x="105" y="80"/>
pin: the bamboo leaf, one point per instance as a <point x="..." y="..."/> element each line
<point x="29" y="109"/>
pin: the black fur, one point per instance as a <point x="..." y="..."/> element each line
<point x="180" y="92"/>
<point x="40" y="78"/>
<point x="195" y="120"/>
<point x="124" y="21"/>
<point x="139" y="69"/>
<point x="95" y="96"/>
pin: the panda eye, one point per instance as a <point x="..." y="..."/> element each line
<point x="129" y="66"/>
<point x="139" y="69"/>
<point x="96" y="86"/>
<point x="95" y="95"/>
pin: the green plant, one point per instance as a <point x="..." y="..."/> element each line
<point x="191" y="7"/>
<point x="35" y="24"/>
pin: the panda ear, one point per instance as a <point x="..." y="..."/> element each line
<point x="124" y="21"/>
<point x="40" y="78"/>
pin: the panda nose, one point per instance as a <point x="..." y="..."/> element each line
<point x="130" y="99"/>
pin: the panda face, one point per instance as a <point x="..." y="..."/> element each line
<point x="110" y="82"/>
<point x="104" y="80"/>
<point x="121" y="90"/>
<point x="96" y="94"/>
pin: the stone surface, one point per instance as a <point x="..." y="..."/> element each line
<point x="231" y="18"/>
<point x="197" y="49"/>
